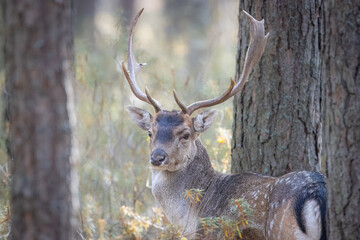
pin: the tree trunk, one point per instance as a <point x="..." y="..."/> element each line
<point x="38" y="56"/>
<point x="277" y="126"/>
<point x="341" y="116"/>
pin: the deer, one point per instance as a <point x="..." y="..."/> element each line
<point x="288" y="207"/>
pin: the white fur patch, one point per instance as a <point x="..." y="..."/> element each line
<point x="271" y="223"/>
<point x="312" y="219"/>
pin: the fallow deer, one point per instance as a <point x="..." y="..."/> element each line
<point x="287" y="207"/>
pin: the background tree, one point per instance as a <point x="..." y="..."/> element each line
<point x="341" y="116"/>
<point x="127" y="7"/>
<point x="84" y="14"/>
<point x="38" y="58"/>
<point x="276" y="125"/>
<point x="195" y="16"/>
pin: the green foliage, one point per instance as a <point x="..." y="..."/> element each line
<point x="114" y="175"/>
<point x="5" y="176"/>
<point x="230" y="227"/>
<point x="194" y="195"/>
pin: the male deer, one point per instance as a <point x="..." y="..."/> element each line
<point x="288" y="207"/>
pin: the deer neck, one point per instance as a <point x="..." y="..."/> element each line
<point x="169" y="189"/>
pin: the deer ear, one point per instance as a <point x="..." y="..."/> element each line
<point x="204" y="120"/>
<point x="141" y="117"/>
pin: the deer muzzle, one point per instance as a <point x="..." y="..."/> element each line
<point x="159" y="156"/>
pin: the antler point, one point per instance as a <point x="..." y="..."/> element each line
<point x="133" y="67"/>
<point x="247" y="14"/>
<point x="180" y="104"/>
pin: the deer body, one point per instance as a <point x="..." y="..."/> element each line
<point x="272" y="199"/>
<point x="288" y="207"/>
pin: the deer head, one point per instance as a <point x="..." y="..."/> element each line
<point x="173" y="133"/>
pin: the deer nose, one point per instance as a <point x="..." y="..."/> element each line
<point x="158" y="156"/>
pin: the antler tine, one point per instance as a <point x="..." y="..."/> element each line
<point x="255" y="51"/>
<point x="211" y="102"/>
<point x="152" y="101"/>
<point x="181" y="105"/>
<point x="134" y="67"/>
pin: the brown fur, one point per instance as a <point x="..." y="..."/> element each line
<point x="272" y="199"/>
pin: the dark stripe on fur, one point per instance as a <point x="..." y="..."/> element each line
<point x="313" y="190"/>
<point x="167" y="121"/>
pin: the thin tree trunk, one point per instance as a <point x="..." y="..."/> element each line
<point x="38" y="56"/>
<point x="198" y="15"/>
<point x="84" y="14"/>
<point x="341" y="116"/>
<point x="277" y="126"/>
<point x="127" y="7"/>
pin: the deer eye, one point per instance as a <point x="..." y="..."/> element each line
<point x="186" y="136"/>
<point x="150" y="134"/>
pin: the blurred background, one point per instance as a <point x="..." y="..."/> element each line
<point x="188" y="45"/>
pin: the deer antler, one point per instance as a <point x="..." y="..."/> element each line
<point x="134" y="67"/>
<point x="255" y="51"/>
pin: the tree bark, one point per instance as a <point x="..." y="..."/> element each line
<point x="341" y="116"/>
<point x="38" y="57"/>
<point x="277" y="126"/>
